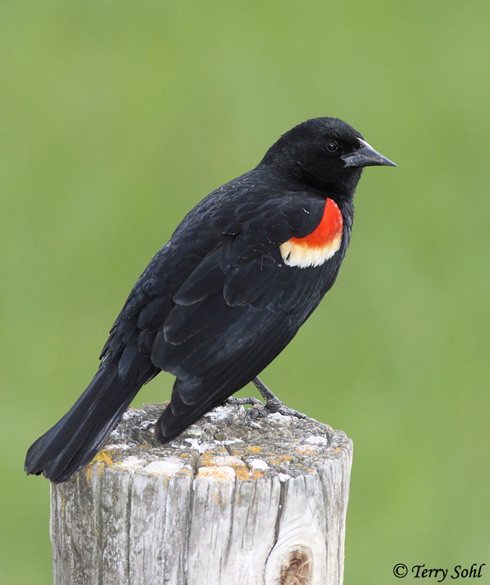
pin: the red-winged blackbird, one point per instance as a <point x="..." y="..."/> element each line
<point x="239" y="276"/>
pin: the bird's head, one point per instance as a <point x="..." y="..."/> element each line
<point x="325" y="153"/>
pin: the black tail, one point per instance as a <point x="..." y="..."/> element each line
<point x="76" y="438"/>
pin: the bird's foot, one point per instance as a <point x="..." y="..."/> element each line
<point x="244" y="401"/>
<point x="271" y="406"/>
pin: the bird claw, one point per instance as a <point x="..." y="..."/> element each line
<point x="244" y="401"/>
<point x="260" y="410"/>
<point x="286" y="411"/>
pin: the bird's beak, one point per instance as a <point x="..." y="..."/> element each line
<point x="366" y="156"/>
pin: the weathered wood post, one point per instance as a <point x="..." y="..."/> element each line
<point x="226" y="503"/>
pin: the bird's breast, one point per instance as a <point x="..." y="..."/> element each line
<point x="319" y="246"/>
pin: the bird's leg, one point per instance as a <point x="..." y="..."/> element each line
<point x="272" y="403"/>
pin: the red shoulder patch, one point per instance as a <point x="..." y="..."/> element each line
<point x="317" y="247"/>
<point x="329" y="229"/>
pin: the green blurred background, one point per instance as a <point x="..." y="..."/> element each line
<point x="117" y="117"/>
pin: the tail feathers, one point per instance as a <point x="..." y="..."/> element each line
<point x="75" y="439"/>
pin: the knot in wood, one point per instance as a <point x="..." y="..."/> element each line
<point x="297" y="568"/>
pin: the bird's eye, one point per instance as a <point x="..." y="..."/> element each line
<point x="332" y="145"/>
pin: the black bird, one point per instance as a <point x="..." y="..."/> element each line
<point x="239" y="276"/>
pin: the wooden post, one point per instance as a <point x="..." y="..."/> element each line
<point x="226" y="503"/>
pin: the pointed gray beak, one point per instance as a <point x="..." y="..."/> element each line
<point x="366" y="156"/>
